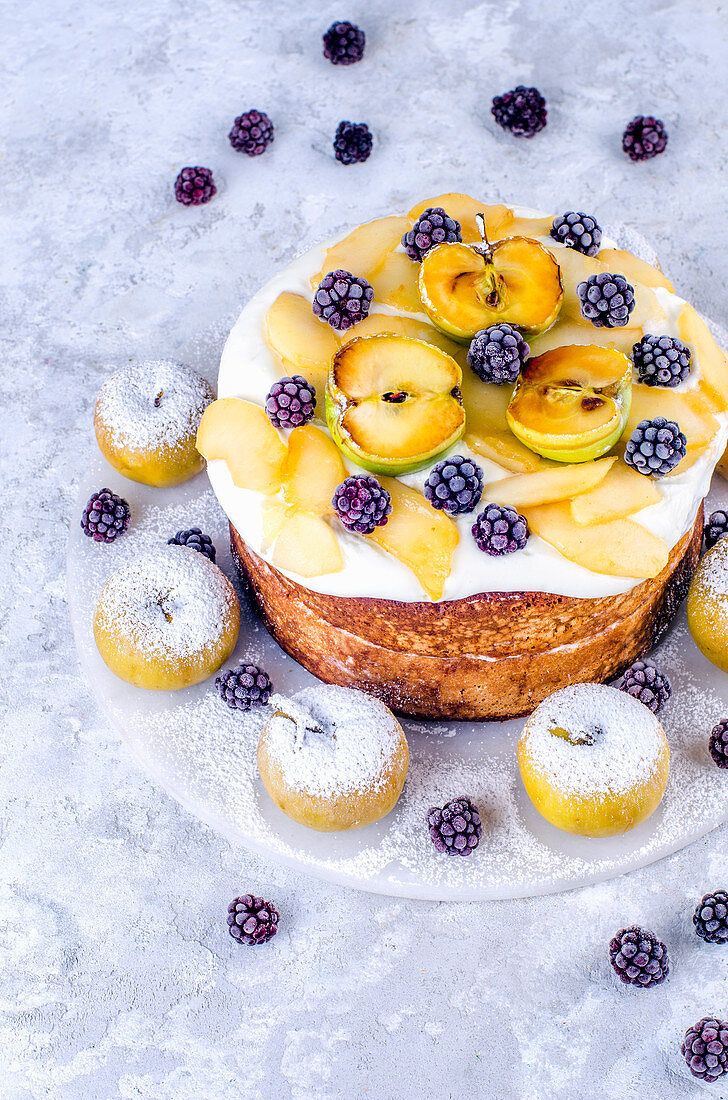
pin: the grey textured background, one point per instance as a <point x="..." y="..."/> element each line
<point x="118" y="976"/>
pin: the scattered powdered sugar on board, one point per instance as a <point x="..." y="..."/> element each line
<point x="625" y="741"/>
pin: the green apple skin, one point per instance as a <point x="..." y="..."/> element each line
<point x="575" y="454"/>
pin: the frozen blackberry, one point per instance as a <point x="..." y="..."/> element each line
<point x="606" y="300"/>
<point x="352" y="142"/>
<point x="644" y="681"/>
<point x="342" y="299"/>
<point x="498" y="354"/>
<point x="715" y="528"/>
<point x="252" y="133"/>
<point x="644" y="137"/>
<point x="705" y="1048"/>
<point x="194" y="538"/>
<point x="433" y="226"/>
<point x="711" y="917"/>
<point x="522" y="111"/>
<point x="499" y="530"/>
<point x="638" y="957"/>
<point x="661" y="360"/>
<point x="718" y="743"/>
<point x="455" y="828"/>
<point x="344" y="44"/>
<point x="252" y="920"/>
<point x="290" y="402"/>
<point x="655" y="447"/>
<point x="194" y="186"/>
<point x="578" y="231"/>
<point x="105" y="517"/>
<point x="362" y="504"/>
<point x="244" y="686"/>
<point x="454" y="485"/>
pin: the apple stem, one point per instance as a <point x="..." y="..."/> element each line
<point x="487" y="251"/>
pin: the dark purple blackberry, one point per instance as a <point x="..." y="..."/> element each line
<point x="244" y="686"/>
<point x="194" y="186"/>
<point x="290" y="402"/>
<point x="644" y="137"/>
<point x="252" y="133"/>
<point x="711" y="917"/>
<point x="362" y="504"/>
<point x="454" y="485"/>
<point x="639" y="958"/>
<point x="344" y="44"/>
<point x="498" y="354"/>
<point x="432" y="227"/>
<point x="578" y="231"/>
<point x="105" y="517"/>
<point x="195" y="539"/>
<point x="455" y="828"/>
<point x="718" y="743"/>
<point x="252" y="920"/>
<point x="606" y="300"/>
<point x="644" y="681"/>
<point x="661" y="360"/>
<point x="342" y="299"/>
<point x="715" y="528"/>
<point x="352" y="142"/>
<point x="655" y="447"/>
<point x="705" y="1048"/>
<point x="499" y="530"/>
<point x="522" y="111"/>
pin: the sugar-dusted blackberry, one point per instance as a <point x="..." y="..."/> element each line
<point x="638" y="957"/>
<point x="194" y="186"/>
<point x="644" y="137"/>
<point x="711" y="917"/>
<point x="455" y="828"/>
<point x="644" y="681"/>
<point x="454" y="485"/>
<point x="362" y="504"/>
<point x="522" y="111"/>
<point x="606" y="300"/>
<point x="661" y="360"/>
<point x="252" y="920"/>
<point x="252" y="133"/>
<point x="344" y="44"/>
<point x="352" y="142"/>
<point x="244" y="686"/>
<point x="105" y="517"/>
<point x="194" y="538"/>
<point x="718" y="743"/>
<point x="290" y="402"/>
<point x="578" y="231"/>
<point x="655" y="447"/>
<point x="715" y="528"/>
<point x="500" y="530"/>
<point x="342" y="299"/>
<point x="705" y="1048"/>
<point x="498" y="354"/>
<point x="434" y="226"/>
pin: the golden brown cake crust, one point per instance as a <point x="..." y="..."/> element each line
<point x="496" y="655"/>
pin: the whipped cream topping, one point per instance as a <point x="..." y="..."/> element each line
<point x="248" y="369"/>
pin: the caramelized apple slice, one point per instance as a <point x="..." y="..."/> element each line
<point x="570" y="331"/>
<point x="421" y="538"/>
<point x="306" y="545"/>
<point x="504" y="449"/>
<point x="241" y="434"/>
<point x="485" y="404"/>
<point x="620" y="548"/>
<point x="711" y="360"/>
<point x="312" y="469"/>
<point x="634" y="269"/>
<point x="274" y="512"/>
<point x="376" y="324"/>
<point x="647" y="312"/>
<point x="527" y="227"/>
<point x="463" y="208"/>
<point x="303" y="345"/>
<point x="621" y="493"/>
<point x="689" y="409"/>
<point x="547" y="486"/>
<point x="395" y="284"/>
<point x="364" y="250"/>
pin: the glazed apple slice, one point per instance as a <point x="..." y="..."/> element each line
<point x="301" y="343"/>
<point x="634" y="269"/>
<point x="504" y="449"/>
<point x="241" y="434"/>
<point x="395" y="284"/>
<point x="547" y="486"/>
<point x="377" y="324"/>
<point x="312" y="469"/>
<point x="689" y="409"/>
<point x="569" y="331"/>
<point x="364" y="250"/>
<point x="420" y="537"/>
<point x="306" y="545"/>
<point x="621" y="493"/>
<point x="575" y="267"/>
<point x="711" y="360"/>
<point x="463" y="208"/>
<point x="619" y="548"/>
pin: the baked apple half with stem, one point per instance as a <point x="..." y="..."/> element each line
<point x="393" y="404"/>
<point x="571" y="404"/>
<point x="468" y="287"/>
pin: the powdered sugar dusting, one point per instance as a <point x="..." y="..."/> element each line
<point x="712" y="576"/>
<point x="626" y="740"/>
